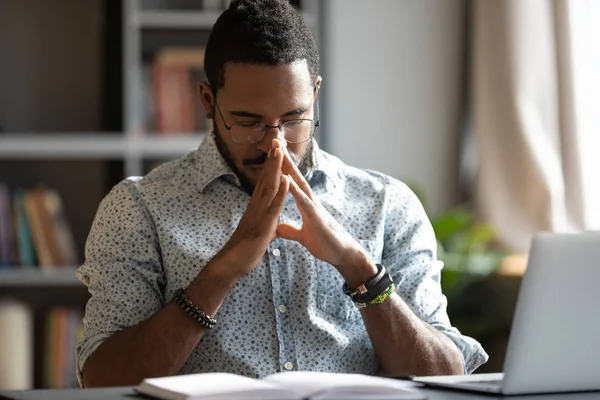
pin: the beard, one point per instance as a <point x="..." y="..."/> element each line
<point x="304" y="162"/>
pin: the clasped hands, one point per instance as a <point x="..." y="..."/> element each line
<point x="320" y="233"/>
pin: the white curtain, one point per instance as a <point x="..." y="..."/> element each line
<point x="536" y="115"/>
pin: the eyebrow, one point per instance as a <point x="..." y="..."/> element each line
<point x="297" y="111"/>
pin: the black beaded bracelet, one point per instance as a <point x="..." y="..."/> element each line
<point x="192" y="310"/>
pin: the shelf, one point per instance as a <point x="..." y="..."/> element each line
<point x="94" y="145"/>
<point x="154" y="146"/>
<point x="51" y="145"/>
<point x="184" y="19"/>
<point x="175" y="19"/>
<point x="25" y="277"/>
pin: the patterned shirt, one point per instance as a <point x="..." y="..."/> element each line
<point x="153" y="235"/>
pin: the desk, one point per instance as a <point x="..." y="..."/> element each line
<point x="127" y="393"/>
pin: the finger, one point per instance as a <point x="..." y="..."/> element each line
<point x="305" y="203"/>
<point x="279" y="199"/>
<point x="289" y="167"/>
<point x="289" y="232"/>
<point x="268" y="184"/>
<point x="275" y="143"/>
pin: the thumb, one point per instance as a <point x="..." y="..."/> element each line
<point x="289" y="232"/>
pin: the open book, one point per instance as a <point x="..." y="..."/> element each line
<point x="285" y="385"/>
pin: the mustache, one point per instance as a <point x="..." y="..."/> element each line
<point x="255" y="161"/>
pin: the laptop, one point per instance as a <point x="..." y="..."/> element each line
<point x="554" y="343"/>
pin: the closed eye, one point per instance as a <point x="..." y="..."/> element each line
<point x="294" y="122"/>
<point x="248" y="124"/>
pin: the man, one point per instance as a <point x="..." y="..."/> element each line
<point x="259" y="229"/>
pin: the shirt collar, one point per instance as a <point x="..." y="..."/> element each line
<point x="212" y="165"/>
<point x="322" y="170"/>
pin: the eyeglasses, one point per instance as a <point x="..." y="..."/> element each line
<point x="294" y="131"/>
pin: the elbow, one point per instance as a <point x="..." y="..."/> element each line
<point x="93" y="376"/>
<point x="98" y="371"/>
<point x="453" y="363"/>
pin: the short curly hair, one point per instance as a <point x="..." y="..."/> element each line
<point x="267" y="32"/>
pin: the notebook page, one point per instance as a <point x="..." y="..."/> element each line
<point x="210" y="386"/>
<point x="323" y="385"/>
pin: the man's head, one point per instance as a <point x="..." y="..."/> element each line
<point x="262" y="64"/>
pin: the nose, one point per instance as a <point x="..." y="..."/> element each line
<point x="272" y="132"/>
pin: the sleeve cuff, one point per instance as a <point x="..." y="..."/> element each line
<point x="85" y="350"/>
<point x="472" y="353"/>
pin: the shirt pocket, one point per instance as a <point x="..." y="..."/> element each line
<point x="330" y="297"/>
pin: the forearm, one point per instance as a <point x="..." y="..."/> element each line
<point x="406" y="345"/>
<point x="160" y="345"/>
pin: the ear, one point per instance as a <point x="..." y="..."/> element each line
<point x="318" y="84"/>
<point x="207" y="98"/>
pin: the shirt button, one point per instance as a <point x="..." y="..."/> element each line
<point x="288" y="365"/>
<point x="276" y="252"/>
<point x="282" y="308"/>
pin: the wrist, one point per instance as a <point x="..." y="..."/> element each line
<point x="358" y="268"/>
<point x="212" y="285"/>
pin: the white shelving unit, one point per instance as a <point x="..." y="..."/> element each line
<point x="57" y="101"/>
<point x="130" y="146"/>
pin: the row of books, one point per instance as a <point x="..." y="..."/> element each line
<point x="169" y="103"/>
<point x="34" y="230"/>
<point x="63" y="330"/>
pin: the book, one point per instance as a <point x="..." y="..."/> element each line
<point x="176" y="73"/>
<point x="16" y="345"/>
<point x="26" y="251"/>
<point x="284" y="385"/>
<point x="6" y="230"/>
<point x="41" y="224"/>
<point x="62" y="230"/>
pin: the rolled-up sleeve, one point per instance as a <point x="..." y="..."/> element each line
<point x="410" y="254"/>
<point x="122" y="269"/>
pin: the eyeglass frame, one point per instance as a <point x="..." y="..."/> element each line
<point x="279" y="127"/>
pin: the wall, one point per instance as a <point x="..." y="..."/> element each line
<point x="394" y="89"/>
<point x="51" y="65"/>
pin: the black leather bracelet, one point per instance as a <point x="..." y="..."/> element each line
<point x="379" y="288"/>
<point x="192" y="310"/>
<point x="365" y="287"/>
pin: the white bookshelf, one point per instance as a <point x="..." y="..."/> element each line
<point x="80" y="161"/>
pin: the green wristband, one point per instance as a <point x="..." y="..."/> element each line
<point x="379" y="299"/>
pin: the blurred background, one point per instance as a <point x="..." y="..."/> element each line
<point x="487" y="109"/>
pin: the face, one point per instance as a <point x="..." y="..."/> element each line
<point x="263" y="93"/>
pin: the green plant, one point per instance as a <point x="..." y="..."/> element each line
<point x="466" y="246"/>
